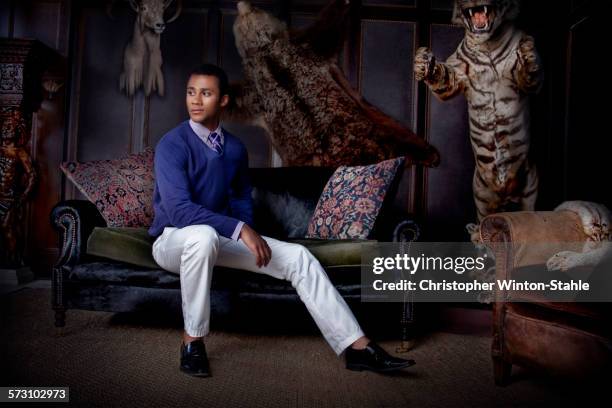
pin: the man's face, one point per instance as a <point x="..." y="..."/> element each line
<point x="204" y="102"/>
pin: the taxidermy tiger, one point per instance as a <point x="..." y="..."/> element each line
<point x="595" y="220"/>
<point x="496" y="66"/>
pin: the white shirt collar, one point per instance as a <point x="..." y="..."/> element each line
<point x="202" y="132"/>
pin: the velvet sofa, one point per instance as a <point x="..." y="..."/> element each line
<point x="111" y="269"/>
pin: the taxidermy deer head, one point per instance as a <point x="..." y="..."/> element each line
<point x="142" y="58"/>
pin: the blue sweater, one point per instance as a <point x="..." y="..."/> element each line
<point x="194" y="185"/>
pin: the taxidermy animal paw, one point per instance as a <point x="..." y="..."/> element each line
<point x="474" y="231"/>
<point x="154" y="82"/>
<point x="424" y="64"/>
<point x="528" y="56"/>
<point x="486" y="297"/>
<point x="130" y="80"/>
<point x="564" y="260"/>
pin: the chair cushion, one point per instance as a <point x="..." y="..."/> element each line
<point x="134" y="246"/>
<point x="351" y="200"/>
<point x="340" y="252"/>
<point x="122" y="189"/>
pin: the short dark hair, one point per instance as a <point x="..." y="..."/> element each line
<point x="213" y="70"/>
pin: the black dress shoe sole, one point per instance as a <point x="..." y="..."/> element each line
<point x="194" y="374"/>
<point x="362" y="367"/>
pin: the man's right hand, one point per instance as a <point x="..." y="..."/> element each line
<point x="257" y="245"/>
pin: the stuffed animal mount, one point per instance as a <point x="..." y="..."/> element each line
<point x="496" y="67"/>
<point x="294" y="89"/>
<point x="142" y="58"/>
<point x="595" y="222"/>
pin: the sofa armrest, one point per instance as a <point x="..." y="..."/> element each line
<point x="74" y="220"/>
<point x="393" y="225"/>
<point x="406" y="231"/>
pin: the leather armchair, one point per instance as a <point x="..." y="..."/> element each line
<point x="569" y="339"/>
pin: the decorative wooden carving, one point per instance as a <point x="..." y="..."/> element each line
<point x="22" y="63"/>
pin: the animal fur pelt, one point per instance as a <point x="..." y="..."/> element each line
<point x="294" y="89"/>
<point x="596" y="220"/>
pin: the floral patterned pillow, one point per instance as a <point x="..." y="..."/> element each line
<point x="351" y="200"/>
<point x="122" y="189"/>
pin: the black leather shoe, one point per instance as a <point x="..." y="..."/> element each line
<point x="374" y="358"/>
<point x="194" y="360"/>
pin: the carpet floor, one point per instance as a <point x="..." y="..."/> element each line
<point x="112" y="360"/>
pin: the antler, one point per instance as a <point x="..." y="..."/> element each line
<point x="179" y="8"/>
<point x="109" y="8"/>
<point x="134" y="5"/>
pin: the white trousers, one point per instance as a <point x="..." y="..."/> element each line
<point x="192" y="252"/>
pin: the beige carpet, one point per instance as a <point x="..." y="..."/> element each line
<point x="110" y="361"/>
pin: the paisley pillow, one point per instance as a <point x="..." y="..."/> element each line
<point x="351" y="200"/>
<point x="122" y="189"/>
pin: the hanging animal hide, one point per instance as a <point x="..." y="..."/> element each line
<point x="294" y="89"/>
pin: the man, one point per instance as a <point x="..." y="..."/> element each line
<point x="203" y="217"/>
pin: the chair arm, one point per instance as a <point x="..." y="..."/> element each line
<point x="529" y="237"/>
<point x="74" y="220"/>
<point x="532" y="226"/>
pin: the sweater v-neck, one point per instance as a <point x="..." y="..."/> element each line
<point x="208" y="150"/>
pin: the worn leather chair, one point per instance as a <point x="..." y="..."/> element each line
<point x="560" y="338"/>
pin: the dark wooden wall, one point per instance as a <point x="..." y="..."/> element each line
<point x="92" y="120"/>
<point x="586" y="166"/>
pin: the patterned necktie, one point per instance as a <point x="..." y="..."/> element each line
<point x="215" y="141"/>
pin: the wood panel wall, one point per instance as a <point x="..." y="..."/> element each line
<point x="92" y="120"/>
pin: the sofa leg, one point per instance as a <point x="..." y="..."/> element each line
<point x="406" y="326"/>
<point x="501" y="370"/>
<point x="60" y="317"/>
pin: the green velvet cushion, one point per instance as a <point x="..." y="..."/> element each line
<point x="134" y="246"/>
<point x="335" y="252"/>
<point x="130" y="245"/>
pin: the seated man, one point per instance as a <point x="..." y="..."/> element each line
<point x="203" y="216"/>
